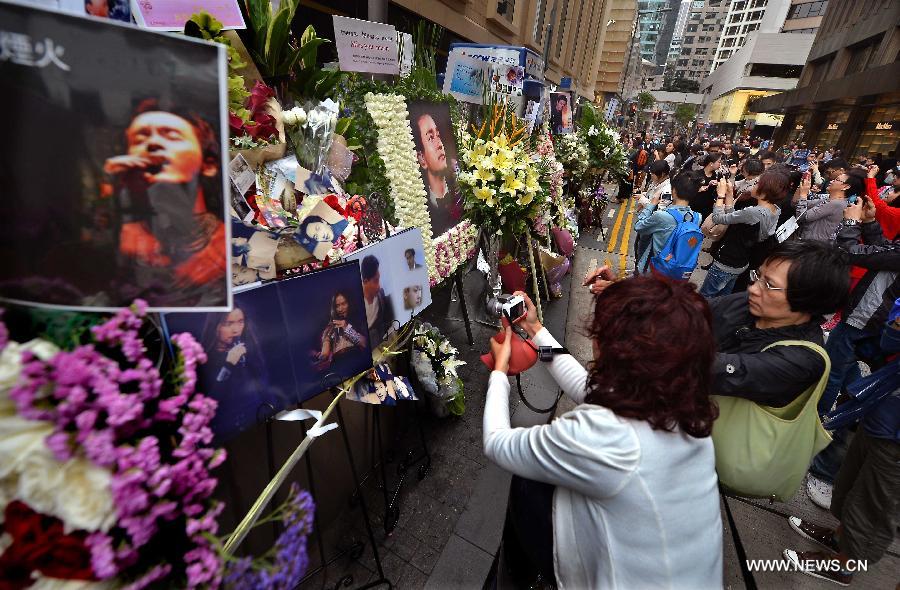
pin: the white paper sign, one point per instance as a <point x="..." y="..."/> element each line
<point x="365" y="46"/>
<point x="494" y="55"/>
<point x="407" y="50"/>
<point x="466" y="77"/>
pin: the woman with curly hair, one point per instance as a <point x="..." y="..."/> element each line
<point x="621" y="492"/>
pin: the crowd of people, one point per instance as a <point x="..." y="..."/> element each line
<point x="748" y="372"/>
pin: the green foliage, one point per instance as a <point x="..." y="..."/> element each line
<point x="308" y="81"/>
<point x="205" y="26"/>
<point x="685" y="113"/>
<point x="645" y="100"/>
<point x="457" y="403"/>
<point x="681" y="85"/>
<point x="271" y="46"/>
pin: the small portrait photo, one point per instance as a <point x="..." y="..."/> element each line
<point x="561" y="112"/>
<point x="415" y="259"/>
<point x="119" y="10"/>
<point x="252" y="254"/>
<point x="412" y="297"/>
<point x="126" y="184"/>
<point x="387" y="269"/>
<point x="327" y="330"/>
<point x="382" y="387"/>
<point x="248" y="366"/>
<point x="437" y="157"/>
<point x="320" y="229"/>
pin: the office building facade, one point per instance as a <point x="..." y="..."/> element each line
<point x="848" y="94"/>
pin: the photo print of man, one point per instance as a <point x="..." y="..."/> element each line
<point x="437" y="157"/>
<point x="379" y="310"/>
<point x="561" y="112"/>
<point x="123" y="172"/>
<point x="394" y="282"/>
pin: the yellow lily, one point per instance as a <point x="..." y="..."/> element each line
<point x="485" y="193"/>
<point x="484" y="175"/>
<point x="526" y="198"/>
<point x="511" y="185"/>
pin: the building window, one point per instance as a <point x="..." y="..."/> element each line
<point x="688" y="40"/>
<point x="776" y="70"/>
<point x="801" y="31"/>
<point x="691" y="29"/>
<point x="731" y="31"/>
<point x="563" y="19"/>
<point x="540" y="12"/>
<point x="862" y="55"/>
<point x="808" y="9"/>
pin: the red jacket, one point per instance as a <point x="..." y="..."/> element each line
<point x="888" y="217"/>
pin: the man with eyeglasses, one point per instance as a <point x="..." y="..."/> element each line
<point x="796" y="285"/>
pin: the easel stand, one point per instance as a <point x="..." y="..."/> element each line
<point x="380" y="458"/>
<point x="356" y="549"/>
<point x="457" y="285"/>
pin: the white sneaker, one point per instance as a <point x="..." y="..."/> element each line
<point x="819" y="492"/>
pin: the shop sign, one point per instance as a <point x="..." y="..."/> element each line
<point x="833" y="126"/>
<point x="799" y="127"/>
<point x="884" y="126"/>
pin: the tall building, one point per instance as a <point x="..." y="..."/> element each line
<point x="614" y="53"/>
<point x="766" y="16"/>
<point x="701" y="37"/>
<point x="570" y="33"/>
<point x="650" y="26"/>
<point x="849" y="92"/>
<point x="755" y="59"/>
<point x="677" y="33"/>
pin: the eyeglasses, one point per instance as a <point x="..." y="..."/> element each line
<point x="755" y="277"/>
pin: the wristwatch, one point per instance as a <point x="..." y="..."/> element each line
<point x="850" y="222"/>
<point x="545" y="353"/>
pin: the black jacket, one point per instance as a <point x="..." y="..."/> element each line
<point x="876" y="254"/>
<point x="773" y="378"/>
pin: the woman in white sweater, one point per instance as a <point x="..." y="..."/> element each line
<point x="636" y="503"/>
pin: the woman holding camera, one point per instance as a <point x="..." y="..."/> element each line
<point x="636" y="503"/>
<point x="747" y="227"/>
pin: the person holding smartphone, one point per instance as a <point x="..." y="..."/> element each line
<point x="747" y="227"/>
<point x="820" y="215"/>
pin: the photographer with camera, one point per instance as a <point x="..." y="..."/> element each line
<point x="747" y="227"/>
<point x="614" y="519"/>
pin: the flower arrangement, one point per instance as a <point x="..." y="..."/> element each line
<point x="435" y="363"/>
<point x="397" y="150"/>
<point x="259" y="128"/>
<point x="604" y="150"/>
<point x="454" y="247"/>
<point x="287" y="562"/>
<point x="501" y="180"/>
<point x="572" y="152"/>
<point x="105" y="460"/>
<point x="110" y="456"/>
<point x="554" y="182"/>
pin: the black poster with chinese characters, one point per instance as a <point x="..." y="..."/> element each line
<point x="111" y="165"/>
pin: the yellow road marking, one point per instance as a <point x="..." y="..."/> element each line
<point x="622" y="262"/>
<point x="614" y="234"/>
<point x="626" y="235"/>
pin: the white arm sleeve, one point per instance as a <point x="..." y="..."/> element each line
<point x="566" y="371"/>
<point x="589" y="450"/>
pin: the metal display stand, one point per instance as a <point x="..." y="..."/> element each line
<point x="380" y="458"/>
<point x="356" y="549"/>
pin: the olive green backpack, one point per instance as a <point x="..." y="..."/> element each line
<point x="764" y="452"/>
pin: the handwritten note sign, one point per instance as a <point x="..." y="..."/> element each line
<point x="170" y="15"/>
<point x="365" y="46"/>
